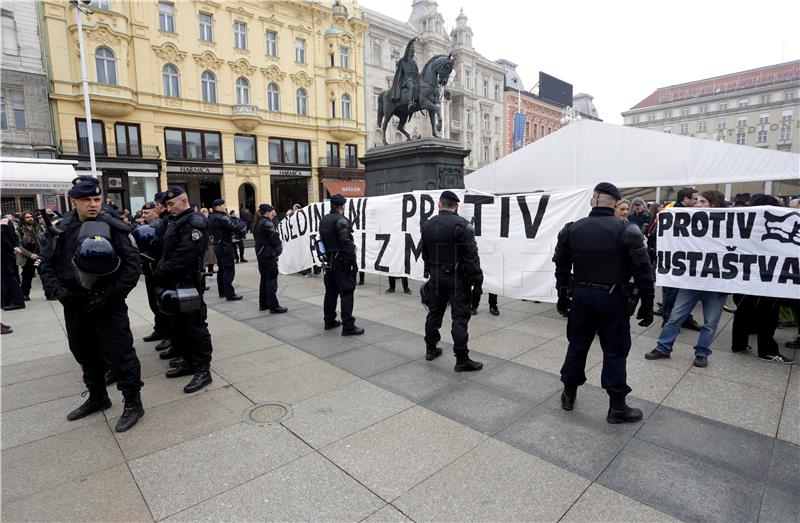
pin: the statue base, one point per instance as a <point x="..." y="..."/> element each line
<point x="424" y="164"/>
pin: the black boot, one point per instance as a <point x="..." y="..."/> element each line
<point x="624" y="414"/>
<point x="153" y="336"/>
<point x="170" y="353"/>
<point x="164" y="344"/>
<point x="568" y="399"/>
<point x="464" y="364"/>
<point x="132" y="412"/>
<point x="201" y="378"/>
<point x="353" y="331"/>
<point x="97" y="401"/>
<point x="181" y="370"/>
<point x="329" y="326"/>
<point x="493" y="310"/>
<point x="432" y="354"/>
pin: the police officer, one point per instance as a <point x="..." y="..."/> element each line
<point x="451" y="260"/>
<point x="596" y="256"/>
<point x="221" y="228"/>
<point x="181" y="266"/>
<point x="268" y="248"/>
<point x="336" y="233"/>
<point x="153" y="214"/>
<point x="90" y="266"/>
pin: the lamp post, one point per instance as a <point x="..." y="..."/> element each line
<point x="84" y="9"/>
<point x="569" y="115"/>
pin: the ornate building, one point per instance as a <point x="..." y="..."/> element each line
<point x="474" y="114"/>
<point x="249" y="101"/>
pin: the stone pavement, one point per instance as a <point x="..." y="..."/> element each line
<point x="376" y="433"/>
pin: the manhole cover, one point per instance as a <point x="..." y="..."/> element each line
<point x="266" y="413"/>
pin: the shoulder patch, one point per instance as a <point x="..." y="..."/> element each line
<point x="196" y="234"/>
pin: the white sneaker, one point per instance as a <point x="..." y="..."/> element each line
<point x="778" y="358"/>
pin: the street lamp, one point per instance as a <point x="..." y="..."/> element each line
<point x="82" y="7"/>
<point x="569" y="115"/>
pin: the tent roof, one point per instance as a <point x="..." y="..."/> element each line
<point x="36" y="174"/>
<point x="587" y="152"/>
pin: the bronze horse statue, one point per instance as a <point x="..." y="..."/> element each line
<point x="435" y="74"/>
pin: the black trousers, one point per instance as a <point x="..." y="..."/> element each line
<point x="439" y="292"/>
<point x="596" y="312"/>
<point x="238" y="250"/>
<point x="28" y="274"/>
<point x="103" y="333"/>
<point x="191" y="338"/>
<point x="9" y="281"/>
<point x="477" y="291"/>
<point x="161" y="322"/>
<point x="757" y="313"/>
<point x="339" y="285"/>
<point x="393" y="282"/>
<point x="268" y="286"/>
<point x="226" y="269"/>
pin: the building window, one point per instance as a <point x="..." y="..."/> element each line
<point x="98" y="137"/>
<point x="486" y="88"/>
<point x="702" y="126"/>
<point x="668" y="130"/>
<point x="127" y="136"/>
<point x="299" y="50"/>
<point x="497" y="124"/>
<point x="166" y="17"/>
<point x="184" y="144"/>
<point x="3" y="117"/>
<point x="106" y="66"/>
<point x="468" y="78"/>
<point x="18" y="110"/>
<point x="206" y="27"/>
<point x="743" y="103"/>
<point x="350" y="155"/>
<point x="169" y="74"/>
<point x="333" y="108"/>
<point x="376" y="100"/>
<point x="786" y="133"/>
<point x="765" y="98"/>
<point x="763" y="118"/>
<point x="273" y="98"/>
<point x="722" y="123"/>
<point x="722" y="106"/>
<point x="497" y="91"/>
<point x="209" y="87"/>
<point x="377" y="54"/>
<point x="685" y="112"/>
<point x="9" y="27"/>
<point x="272" y="43"/>
<point x="741" y="138"/>
<point x="100" y="4"/>
<point x="344" y="58"/>
<point x="332" y="154"/>
<point x="703" y="109"/>
<point x="788" y="95"/>
<point x="651" y="117"/>
<point x="242" y="91"/>
<point x="240" y="35"/>
<point x="301" y="99"/>
<point x="291" y="152"/>
<point x="486" y="122"/>
<point x="346" y="107"/>
<point x="244" y="148"/>
<point x="761" y="137"/>
<point x="636" y="119"/>
<point x="668" y="114"/>
<point x="684" y="129"/>
<point x="741" y="121"/>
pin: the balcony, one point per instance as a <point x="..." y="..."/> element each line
<point x="110" y="150"/>
<point x="245" y="117"/>
<point x="342" y="129"/>
<point x="340" y="163"/>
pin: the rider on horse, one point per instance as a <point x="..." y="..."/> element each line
<point x="406" y="78"/>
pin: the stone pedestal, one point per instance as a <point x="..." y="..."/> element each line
<point x="417" y="165"/>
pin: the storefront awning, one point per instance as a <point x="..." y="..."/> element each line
<point x="350" y="189"/>
<point x="36" y="175"/>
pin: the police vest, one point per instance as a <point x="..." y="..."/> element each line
<point x="597" y="254"/>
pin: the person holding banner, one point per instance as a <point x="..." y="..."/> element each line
<point x="336" y="233"/>
<point x="450" y="255"/>
<point x="595" y="258"/>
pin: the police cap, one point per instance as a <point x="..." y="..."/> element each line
<point x="609" y="189"/>
<point x="148" y="206"/>
<point x="84" y="186"/>
<point x="217" y="202"/>
<point x="265" y="207"/>
<point x="159" y="197"/>
<point x="338" y="200"/>
<point x="449" y="195"/>
<point x="172" y="192"/>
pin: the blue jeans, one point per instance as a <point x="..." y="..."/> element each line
<point x="684" y="303"/>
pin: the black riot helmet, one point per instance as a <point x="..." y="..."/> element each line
<point x="145" y="235"/>
<point x="94" y="258"/>
<point x="182" y="300"/>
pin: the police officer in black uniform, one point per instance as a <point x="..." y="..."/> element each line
<point x="90" y="266"/>
<point x="595" y="258"/>
<point x="336" y="233"/>
<point x="451" y="259"/>
<point x="154" y="216"/>
<point x="221" y="228"/>
<point x="268" y="247"/>
<point x="181" y="267"/>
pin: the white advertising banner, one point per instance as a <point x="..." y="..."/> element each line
<point x="750" y="250"/>
<point x="516" y="235"/>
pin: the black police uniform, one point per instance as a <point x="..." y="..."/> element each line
<point x="602" y="253"/>
<point x="161" y="322"/>
<point x="451" y="258"/>
<point x="340" y="280"/>
<point x="268" y="248"/>
<point x="181" y="264"/>
<point x="221" y="229"/>
<point x="97" y="324"/>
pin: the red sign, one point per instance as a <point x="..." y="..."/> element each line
<point x="349" y="189"/>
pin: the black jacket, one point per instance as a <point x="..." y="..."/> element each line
<point x="268" y="241"/>
<point x="221" y="228"/>
<point x="336" y="232"/>
<point x="185" y="245"/>
<point x="449" y="248"/>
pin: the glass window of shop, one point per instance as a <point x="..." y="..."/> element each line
<point x="244" y="147"/>
<point x="291" y="152"/>
<point x="192" y="145"/>
<point x="142" y="189"/>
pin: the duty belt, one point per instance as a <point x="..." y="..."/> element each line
<point x="598" y="286"/>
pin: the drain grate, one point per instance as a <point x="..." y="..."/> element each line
<point x="266" y="413"/>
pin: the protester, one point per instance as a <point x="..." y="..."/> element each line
<point x="393" y="284"/>
<point x="30" y="237"/>
<point x="640" y="217"/>
<point x="12" y="298"/>
<point x="621" y="210"/>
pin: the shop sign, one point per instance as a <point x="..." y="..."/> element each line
<point x="289" y="172"/>
<point x="194" y="169"/>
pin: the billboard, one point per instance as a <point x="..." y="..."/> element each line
<point x="554" y="90"/>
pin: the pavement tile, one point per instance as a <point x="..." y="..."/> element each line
<point x="20" y="352"/>
<point x="746" y="369"/>
<point x="179" y="477"/>
<point x="681" y="357"/>
<point x="296" y="384"/>
<point x="734" y="403"/>
<point x="236" y="345"/>
<point x="38" y="368"/>
<point x="191" y="417"/>
<point x="43" y="389"/>
<point x="296" y="331"/>
<point x="601" y="504"/>
<point x="366" y="361"/>
<point x="378" y="332"/>
<point x="45" y="463"/>
<point x="680" y="485"/>
<point x="528" y="307"/>
<point x="741" y="451"/>
<point x="393" y="456"/>
<point x="447" y="361"/>
<point x="416" y="381"/>
<point x="789" y="428"/>
<point x="541" y="326"/>
<point x="494" y="482"/>
<point x="308" y="489"/>
<point x="549" y="356"/>
<point x="528" y="384"/>
<point x="505" y="343"/>
<point x="260" y="363"/>
<point x="44" y="419"/>
<point x="782" y="492"/>
<point x="649" y="380"/>
<point x="387" y="514"/>
<point x="107" y="495"/>
<point x="411" y="346"/>
<point x="477" y="406"/>
<point x="329" y="417"/>
<point x="268" y="323"/>
<point x="328" y="344"/>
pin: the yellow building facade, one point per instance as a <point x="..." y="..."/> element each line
<point x="250" y="101"/>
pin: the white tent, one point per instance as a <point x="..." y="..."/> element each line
<point x="37" y="174"/>
<point x="587" y="152"/>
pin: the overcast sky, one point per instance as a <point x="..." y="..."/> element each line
<point x="621" y="51"/>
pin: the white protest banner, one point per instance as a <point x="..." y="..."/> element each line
<point x="750" y="250"/>
<point x="516" y="235"/>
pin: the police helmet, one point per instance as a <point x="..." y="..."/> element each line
<point x="95" y="261"/>
<point x="145" y="235"/>
<point x="178" y="301"/>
